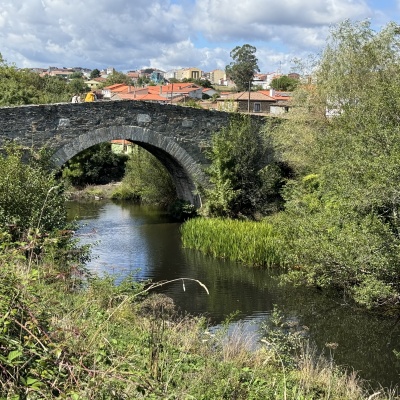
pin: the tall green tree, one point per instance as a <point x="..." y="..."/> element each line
<point x="342" y="213"/>
<point x="76" y="75"/>
<point x="78" y="85"/>
<point x="242" y="181"/>
<point x="118" y="77"/>
<point x="243" y="67"/>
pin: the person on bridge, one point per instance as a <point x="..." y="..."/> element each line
<point x="91" y="96"/>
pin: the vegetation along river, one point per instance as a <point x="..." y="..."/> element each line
<point x="132" y="239"/>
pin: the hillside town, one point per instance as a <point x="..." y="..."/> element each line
<point x="186" y="86"/>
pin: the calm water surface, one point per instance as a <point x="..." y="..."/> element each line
<point x="132" y="239"/>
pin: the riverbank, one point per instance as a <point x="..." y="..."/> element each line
<point x="124" y="342"/>
<point x="94" y="192"/>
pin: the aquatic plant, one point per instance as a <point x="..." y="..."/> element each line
<point x="249" y="242"/>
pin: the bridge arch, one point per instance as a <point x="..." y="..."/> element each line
<point x="185" y="172"/>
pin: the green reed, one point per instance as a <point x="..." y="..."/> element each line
<point x="249" y="242"/>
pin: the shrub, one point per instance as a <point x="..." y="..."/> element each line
<point x="31" y="200"/>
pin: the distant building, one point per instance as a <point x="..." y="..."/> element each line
<point x="134" y="75"/>
<point x="171" y="74"/>
<point x="294" y="75"/>
<point x="217" y="77"/>
<point x="61" y="73"/>
<point x="188" y="73"/>
<point x="157" y="76"/>
<point x="105" y="73"/>
<point x="171" y="93"/>
<point x="120" y="146"/>
<point x="93" y="83"/>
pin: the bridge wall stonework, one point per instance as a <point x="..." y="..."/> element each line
<point x="177" y="136"/>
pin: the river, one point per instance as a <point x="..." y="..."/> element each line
<point x="138" y="240"/>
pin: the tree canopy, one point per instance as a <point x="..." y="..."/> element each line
<point x="23" y="86"/>
<point x="341" y="138"/>
<point x="284" y="83"/>
<point x="243" y="183"/>
<point x="95" y="165"/>
<point x="118" y="77"/>
<point x="95" y="73"/>
<point x="243" y="67"/>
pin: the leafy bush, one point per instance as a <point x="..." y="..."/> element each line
<point x="244" y="185"/>
<point x="96" y="165"/>
<point x="31" y="199"/>
<point x="182" y="210"/>
<point x="22" y="86"/>
<point x="147" y="180"/>
<point x="114" y="342"/>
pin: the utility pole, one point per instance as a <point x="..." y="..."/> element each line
<point x="248" y="100"/>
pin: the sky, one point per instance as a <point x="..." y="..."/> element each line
<point x="171" y="34"/>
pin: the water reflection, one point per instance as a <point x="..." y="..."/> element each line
<point x="144" y="242"/>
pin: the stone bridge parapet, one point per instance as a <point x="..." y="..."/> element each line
<point x="176" y="135"/>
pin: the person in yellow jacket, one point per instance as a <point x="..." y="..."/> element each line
<point x="91" y="96"/>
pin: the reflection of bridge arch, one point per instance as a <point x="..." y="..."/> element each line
<point x="185" y="172"/>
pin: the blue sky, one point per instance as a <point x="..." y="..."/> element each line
<point x="168" y="34"/>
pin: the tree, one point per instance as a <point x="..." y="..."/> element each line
<point x="143" y="80"/>
<point x="243" y="67"/>
<point x="22" y="86"/>
<point x="342" y="215"/>
<point x="76" y="75"/>
<point x="95" y="165"/>
<point x="200" y="82"/>
<point x="78" y="86"/>
<point x="284" y="83"/>
<point x="146" y="180"/>
<point x="30" y="197"/>
<point x="242" y="181"/>
<point x="95" y="73"/>
<point x="118" y="77"/>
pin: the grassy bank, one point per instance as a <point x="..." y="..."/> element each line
<point x="121" y="342"/>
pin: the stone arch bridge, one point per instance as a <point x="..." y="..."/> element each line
<point x="176" y="135"/>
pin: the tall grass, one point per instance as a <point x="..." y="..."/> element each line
<point x="249" y="242"/>
<point x="113" y="342"/>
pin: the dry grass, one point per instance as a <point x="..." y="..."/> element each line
<point x="317" y="373"/>
<point x="94" y="192"/>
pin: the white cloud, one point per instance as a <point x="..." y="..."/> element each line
<point x="129" y="34"/>
<point x="221" y="17"/>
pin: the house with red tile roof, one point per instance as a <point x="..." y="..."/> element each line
<point x="282" y="101"/>
<point x="172" y="93"/>
<point x="173" y="90"/>
<point x="141" y="96"/>
<point x="263" y="101"/>
<point x="114" y="92"/>
<point x="60" y="73"/>
<point x="122" y="146"/>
